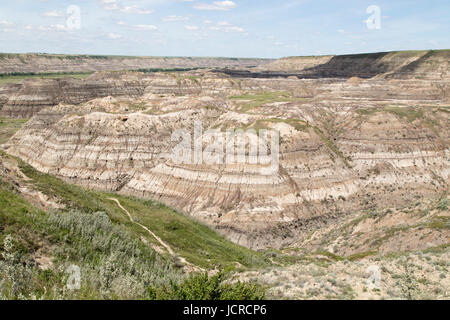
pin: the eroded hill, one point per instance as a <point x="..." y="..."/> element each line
<point x="42" y="63"/>
<point x="346" y="146"/>
<point x="426" y="64"/>
<point x="363" y="170"/>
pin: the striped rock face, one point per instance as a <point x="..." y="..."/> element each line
<point x="344" y="146"/>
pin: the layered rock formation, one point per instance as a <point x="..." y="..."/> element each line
<point x="345" y="146"/>
<point x="433" y="64"/>
<point x="347" y="143"/>
<point x="26" y="99"/>
<point x="39" y="63"/>
<point x="428" y="72"/>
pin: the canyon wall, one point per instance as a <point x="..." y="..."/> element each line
<point x="357" y="134"/>
<point x="42" y="63"/>
<point x="30" y="96"/>
<point x="346" y="146"/>
<point x="432" y="64"/>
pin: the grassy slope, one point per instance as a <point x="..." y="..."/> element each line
<point x="258" y="99"/>
<point x="113" y="263"/>
<point x="8" y="127"/>
<point x="86" y="240"/>
<point x="114" y="255"/>
<point x="194" y="241"/>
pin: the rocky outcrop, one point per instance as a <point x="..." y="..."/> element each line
<point x="45" y="63"/>
<point x="345" y="146"/>
<point x="433" y="64"/>
<point x="29" y="97"/>
<point x="428" y="72"/>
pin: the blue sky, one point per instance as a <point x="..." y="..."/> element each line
<point x="237" y="28"/>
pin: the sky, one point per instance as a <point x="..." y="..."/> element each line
<point x="229" y="28"/>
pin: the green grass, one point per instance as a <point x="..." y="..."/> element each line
<point x="15" y="213"/>
<point x="259" y="99"/>
<point x="138" y="107"/>
<point x="194" y="241"/>
<point x="263" y="124"/>
<point x="409" y="113"/>
<point x="15" y="78"/>
<point x="361" y="255"/>
<point x="93" y="233"/>
<point x="367" y="111"/>
<point x="438" y="249"/>
<point x="440" y="223"/>
<point x="445" y="109"/>
<point x="182" y="79"/>
<point x="333" y="147"/>
<point x="353" y="257"/>
<point x="154" y="70"/>
<point x="8" y="127"/>
<point x="89" y="241"/>
<point x="443" y="204"/>
<point x="298" y="124"/>
<point x="330" y="255"/>
<point x="201" y="287"/>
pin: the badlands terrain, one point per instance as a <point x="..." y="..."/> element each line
<point x="362" y="182"/>
<point x="48" y="63"/>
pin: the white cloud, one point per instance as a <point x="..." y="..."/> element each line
<point x="114" y="36"/>
<point x="135" y="10"/>
<point x="110" y="4"/>
<point x="138" y="26"/>
<point x="115" y="5"/>
<point x="4" y="23"/>
<point x="53" y="14"/>
<point x="225" y="26"/>
<point x="53" y="27"/>
<point x="191" y="28"/>
<point x="216" y="6"/>
<point x="5" y="26"/>
<point x="145" y="27"/>
<point x="173" y="18"/>
<point x="234" y="29"/>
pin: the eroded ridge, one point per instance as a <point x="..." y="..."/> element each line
<point x="346" y="145"/>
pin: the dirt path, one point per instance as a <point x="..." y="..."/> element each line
<point x="164" y="244"/>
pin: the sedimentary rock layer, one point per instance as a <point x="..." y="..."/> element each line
<point x="31" y="96"/>
<point x="345" y="145"/>
<point x="39" y="63"/>
<point x="433" y="64"/>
